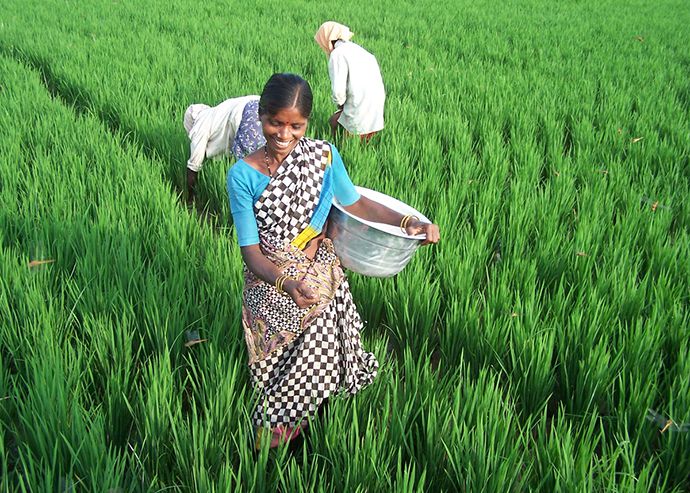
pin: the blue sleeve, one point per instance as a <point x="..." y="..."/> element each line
<point x="343" y="189"/>
<point x="241" y="194"/>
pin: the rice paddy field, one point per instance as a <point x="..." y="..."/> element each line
<point x="543" y="345"/>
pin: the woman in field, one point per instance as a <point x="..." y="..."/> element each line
<point x="232" y="126"/>
<point x="356" y="82"/>
<point x="300" y="323"/>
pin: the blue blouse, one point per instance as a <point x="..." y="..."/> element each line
<point x="245" y="186"/>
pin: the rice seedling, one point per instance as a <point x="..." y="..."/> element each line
<point x="550" y="143"/>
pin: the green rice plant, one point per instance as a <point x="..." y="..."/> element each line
<point x="4" y="456"/>
<point x="208" y="438"/>
<point x="531" y="367"/>
<point x="550" y="145"/>
<point x="408" y="479"/>
<point x="111" y="373"/>
<point x="460" y="337"/>
<point x="304" y="476"/>
<point x="484" y="444"/>
<point x="673" y="446"/>
<point x="624" y="471"/>
<point x="637" y="386"/>
<point x="567" y="461"/>
<point x="413" y="309"/>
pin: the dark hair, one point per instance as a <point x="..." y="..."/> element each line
<point x="286" y="91"/>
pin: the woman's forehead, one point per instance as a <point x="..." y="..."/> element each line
<point x="288" y="115"/>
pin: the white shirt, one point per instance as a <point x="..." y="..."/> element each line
<point x="212" y="130"/>
<point x="357" y="85"/>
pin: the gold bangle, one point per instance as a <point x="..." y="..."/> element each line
<point x="279" y="283"/>
<point x="403" y="222"/>
<point x="406" y="221"/>
<point x="287" y="278"/>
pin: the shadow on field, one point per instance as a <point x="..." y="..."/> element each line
<point x="158" y="143"/>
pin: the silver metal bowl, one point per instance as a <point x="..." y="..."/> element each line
<point x="369" y="248"/>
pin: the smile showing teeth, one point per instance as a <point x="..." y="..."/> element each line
<point x="280" y="143"/>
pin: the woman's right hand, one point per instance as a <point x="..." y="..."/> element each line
<point x="431" y="231"/>
<point x="300" y="292"/>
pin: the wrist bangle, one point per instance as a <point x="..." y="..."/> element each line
<point x="406" y="221"/>
<point x="281" y="281"/>
<point x="403" y="222"/>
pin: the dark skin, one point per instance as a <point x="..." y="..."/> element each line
<point x="282" y="132"/>
<point x="191" y="185"/>
<point x="333" y="120"/>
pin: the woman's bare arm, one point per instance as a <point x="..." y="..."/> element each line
<point x="373" y="211"/>
<point x="370" y="210"/>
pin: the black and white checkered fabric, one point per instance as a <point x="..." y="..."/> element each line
<point x="286" y="205"/>
<point x="327" y="357"/>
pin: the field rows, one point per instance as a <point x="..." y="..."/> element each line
<point x="550" y="145"/>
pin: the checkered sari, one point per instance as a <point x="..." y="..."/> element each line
<point x="298" y="357"/>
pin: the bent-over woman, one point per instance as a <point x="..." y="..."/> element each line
<point x="215" y="131"/>
<point x="300" y="323"/>
<point x="356" y="82"/>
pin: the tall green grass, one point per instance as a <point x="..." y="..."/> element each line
<point x="521" y="353"/>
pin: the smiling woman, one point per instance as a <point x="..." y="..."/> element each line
<point x="300" y="323"/>
<point x="284" y="111"/>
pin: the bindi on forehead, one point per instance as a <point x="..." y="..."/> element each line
<point x="288" y="116"/>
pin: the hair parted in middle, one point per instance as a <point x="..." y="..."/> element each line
<point x="286" y="91"/>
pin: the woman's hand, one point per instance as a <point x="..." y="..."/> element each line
<point x="420" y="228"/>
<point x="300" y="292"/>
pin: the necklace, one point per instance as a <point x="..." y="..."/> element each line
<point x="268" y="168"/>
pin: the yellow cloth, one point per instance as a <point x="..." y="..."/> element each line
<point x="331" y="31"/>
<point x="305" y="237"/>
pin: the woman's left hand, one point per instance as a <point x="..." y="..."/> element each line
<point x="420" y="228"/>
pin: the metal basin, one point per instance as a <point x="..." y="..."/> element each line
<point x="369" y="248"/>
